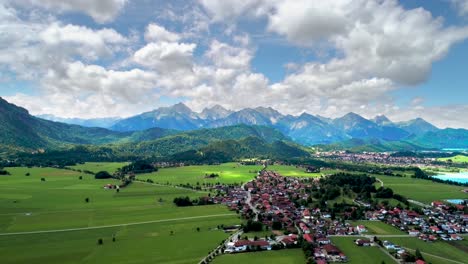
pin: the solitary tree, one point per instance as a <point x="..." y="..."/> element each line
<point x="418" y="254"/>
<point x="86" y="200"/>
<point x="100" y="241"/>
<point x="198" y="229"/>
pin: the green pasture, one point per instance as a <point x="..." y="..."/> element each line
<point x="287" y="256"/>
<point x="456" y="159"/>
<point x="378" y="228"/>
<point x="228" y="173"/>
<point x="95" y="167"/>
<point x="141" y="216"/>
<point x="29" y="204"/>
<point x="147" y="243"/>
<point x="422" y="190"/>
<point x="357" y="254"/>
<point x="438" y="248"/>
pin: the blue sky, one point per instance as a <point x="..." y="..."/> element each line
<point x="404" y="59"/>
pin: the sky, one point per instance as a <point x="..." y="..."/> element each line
<point x="118" y="58"/>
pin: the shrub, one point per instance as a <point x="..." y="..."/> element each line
<point x="102" y="175"/>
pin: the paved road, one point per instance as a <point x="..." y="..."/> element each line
<point x="248" y="201"/>
<point x="117" y="225"/>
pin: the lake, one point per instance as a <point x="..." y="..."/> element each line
<point x="461" y="177"/>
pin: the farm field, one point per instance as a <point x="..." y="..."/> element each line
<point x="423" y="190"/>
<point x="148" y="243"/>
<point x="141" y="216"/>
<point x="287" y="256"/>
<point x="357" y="254"/>
<point x="441" y="249"/>
<point x="378" y="228"/>
<point x="95" y="167"/>
<point x="292" y="171"/>
<point x="229" y="173"/>
<point x="456" y="159"/>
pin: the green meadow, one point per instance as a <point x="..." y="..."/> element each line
<point x="378" y="228"/>
<point x="456" y="159"/>
<point x="439" y="250"/>
<point x="110" y="167"/>
<point x="422" y="190"/>
<point x="228" y="173"/>
<point x="358" y="255"/>
<point x="288" y="256"/>
<point x="141" y="216"/>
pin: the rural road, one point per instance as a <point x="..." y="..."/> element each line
<point x="436" y="256"/>
<point x="248" y="201"/>
<point x="116" y="225"/>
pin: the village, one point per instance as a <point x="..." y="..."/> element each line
<point x="269" y="200"/>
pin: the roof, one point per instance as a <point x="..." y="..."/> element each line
<point x="331" y="248"/>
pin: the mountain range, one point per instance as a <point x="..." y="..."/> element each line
<point x="22" y="133"/>
<point x="305" y="129"/>
<point x="174" y="129"/>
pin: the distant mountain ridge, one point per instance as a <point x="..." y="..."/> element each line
<point x="178" y="128"/>
<point x="305" y="129"/>
<point x="21" y="132"/>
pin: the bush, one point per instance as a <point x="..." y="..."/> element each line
<point x="100" y="241"/>
<point x="43" y="179"/>
<point x="102" y="175"/>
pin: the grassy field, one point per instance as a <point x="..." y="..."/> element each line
<point x="456" y="159"/>
<point x="439" y="248"/>
<point x="110" y="167"/>
<point x="148" y="243"/>
<point x="228" y="173"/>
<point x="28" y="204"/>
<point x="357" y="254"/>
<point x="378" y="228"/>
<point x="423" y="190"/>
<point x="293" y="171"/>
<point x="288" y="256"/>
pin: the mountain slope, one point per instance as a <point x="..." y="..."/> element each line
<point x="417" y="126"/>
<point x="21" y="131"/>
<point x="178" y="117"/>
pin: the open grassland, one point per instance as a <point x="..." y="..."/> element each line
<point x="29" y="204"/>
<point x="229" y="173"/>
<point x="288" y="256"/>
<point x="378" y="228"/>
<point x="293" y="171"/>
<point x="456" y="159"/>
<point x="148" y="243"/>
<point x="439" y="248"/>
<point x="359" y="255"/>
<point x="95" y="167"/>
<point x="141" y="216"/>
<point x="423" y="190"/>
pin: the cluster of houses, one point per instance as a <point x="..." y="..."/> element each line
<point x="376" y="157"/>
<point x="434" y="223"/>
<point x="270" y="198"/>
